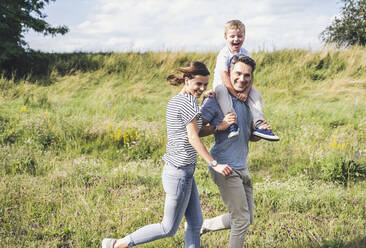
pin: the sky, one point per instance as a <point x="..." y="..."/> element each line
<point x="187" y="25"/>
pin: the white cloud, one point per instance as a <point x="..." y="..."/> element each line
<point x="114" y="25"/>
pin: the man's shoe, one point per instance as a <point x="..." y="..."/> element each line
<point x="265" y="134"/>
<point x="202" y="231"/>
<point x="108" y="243"/>
<point x="234" y="130"/>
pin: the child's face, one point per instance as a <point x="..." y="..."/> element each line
<point x="234" y="38"/>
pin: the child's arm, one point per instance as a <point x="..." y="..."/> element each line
<point x="243" y="96"/>
<point x="225" y="78"/>
<point x="226" y="81"/>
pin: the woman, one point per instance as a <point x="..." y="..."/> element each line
<point x="183" y="124"/>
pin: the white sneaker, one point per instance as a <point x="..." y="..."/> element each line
<point x="108" y="243"/>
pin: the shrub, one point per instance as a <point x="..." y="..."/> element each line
<point x="344" y="170"/>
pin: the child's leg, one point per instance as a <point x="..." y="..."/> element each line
<point x="224" y="99"/>
<point x="226" y="104"/>
<point x="255" y="105"/>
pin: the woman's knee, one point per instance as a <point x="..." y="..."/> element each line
<point x="195" y="223"/>
<point x="169" y="230"/>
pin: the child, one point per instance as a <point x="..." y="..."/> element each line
<point x="234" y="36"/>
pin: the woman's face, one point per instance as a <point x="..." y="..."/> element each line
<point x="197" y="85"/>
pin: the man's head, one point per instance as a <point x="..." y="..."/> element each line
<point x="241" y="72"/>
<point x="234" y="35"/>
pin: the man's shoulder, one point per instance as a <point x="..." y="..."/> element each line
<point x="210" y="102"/>
<point x="210" y="109"/>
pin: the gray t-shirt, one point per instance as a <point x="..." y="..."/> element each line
<point x="231" y="151"/>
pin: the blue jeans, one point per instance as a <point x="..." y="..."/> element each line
<point x="181" y="199"/>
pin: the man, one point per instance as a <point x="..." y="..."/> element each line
<point x="236" y="189"/>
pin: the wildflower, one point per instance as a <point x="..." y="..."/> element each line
<point x="35" y="225"/>
<point x="110" y="126"/>
<point x="118" y="135"/>
<point x="24" y="108"/>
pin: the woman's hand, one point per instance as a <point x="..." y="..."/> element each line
<point x="226" y="122"/>
<point x="208" y="94"/>
<point x="223" y="169"/>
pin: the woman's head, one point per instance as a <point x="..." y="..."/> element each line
<point x="195" y="78"/>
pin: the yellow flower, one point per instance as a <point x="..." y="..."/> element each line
<point x="24" y="108"/>
<point x="109" y="126"/>
<point x="117" y="135"/>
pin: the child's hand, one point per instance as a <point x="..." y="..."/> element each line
<point x="242" y="96"/>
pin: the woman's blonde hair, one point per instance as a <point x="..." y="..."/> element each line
<point x="194" y="68"/>
<point x="235" y="24"/>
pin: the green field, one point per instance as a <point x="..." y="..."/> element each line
<point x="81" y="145"/>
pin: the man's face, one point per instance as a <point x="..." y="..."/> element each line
<point x="241" y="76"/>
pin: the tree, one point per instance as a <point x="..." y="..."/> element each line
<point x="18" y="17"/>
<point x="350" y="27"/>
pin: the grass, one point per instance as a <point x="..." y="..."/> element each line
<point x="81" y="145"/>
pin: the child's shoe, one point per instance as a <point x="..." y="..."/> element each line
<point x="265" y="134"/>
<point x="234" y="130"/>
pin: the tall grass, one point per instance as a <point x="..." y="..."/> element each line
<point x="81" y="144"/>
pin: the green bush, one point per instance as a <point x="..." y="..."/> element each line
<point x="342" y="170"/>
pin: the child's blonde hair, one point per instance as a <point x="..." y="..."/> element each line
<point x="235" y="24"/>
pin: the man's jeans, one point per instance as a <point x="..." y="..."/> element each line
<point x="181" y="199"/>
<point x="237" y="192"/>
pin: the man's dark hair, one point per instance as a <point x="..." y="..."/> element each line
<point x="244" y="59"/>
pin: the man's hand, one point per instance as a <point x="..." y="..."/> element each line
<point x="265" y="126"/>
<point x="223" y="169"/>
<point x="226" y="122"/>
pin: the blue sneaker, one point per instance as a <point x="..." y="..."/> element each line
<point x="265" y="134"/>
<point x="234" y="130"/>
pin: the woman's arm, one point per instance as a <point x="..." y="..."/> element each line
<point x="195" y="141"/>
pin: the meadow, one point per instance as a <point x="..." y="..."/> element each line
<point x="81" y="141"/>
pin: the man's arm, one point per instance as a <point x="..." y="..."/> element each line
<point x="208" y="129"/>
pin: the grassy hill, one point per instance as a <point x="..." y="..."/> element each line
<point x="81" y="141"/>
